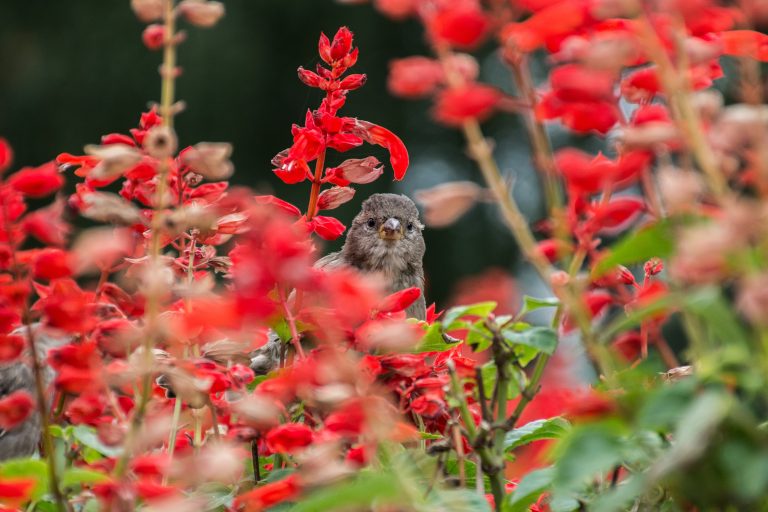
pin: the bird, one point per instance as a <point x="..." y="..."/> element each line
<point x="23" y="439"/>
<point x="384" y="239"/>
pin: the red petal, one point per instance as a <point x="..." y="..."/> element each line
<point x="399" y="301"/>
<point x="6" y="155"/>
<point x="279" y="203"/>
<point x="745" y="43"/>
<point x="327" y="228"/>
<point x="398" y="154"/>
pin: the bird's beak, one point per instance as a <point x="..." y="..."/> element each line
<point x="391" y="230"/>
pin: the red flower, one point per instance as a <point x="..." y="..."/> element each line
<point x="6" y="155"/>
<point x="37" y="181"/>
<point x="15" y="408"/>
<point x="463" y="24"/>
<point x="399" y="301"/>
<point x="375" y="134"/>
<point x="268" y="495"/>
<point x="11" y="347"/>
<point x="573" y="82"/>
<point x="456" y="105"/>
<point x="289" y="438"/>
<point x="414" y="77"/>
<point x="327" y="228"/>
<point x="745" y="43"/>
<point x="65" y="307"/>
<point x="618" y="213"/>
<point x="51" y="264"/>
<point x="46" y="224"/>
<point x="16" y="490"/>
<point x="153" y="37"/>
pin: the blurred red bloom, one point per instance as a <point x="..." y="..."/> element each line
<point x="11" y="347"/>
<point x="51" y="264"/>
<point x="414" y="77"/>
<point x="15" y="408"/>
<point x="289" y="438"/>
<point x="268" y="495"/>
<point x="6" y="155"/>
<point x="37" y="182"/>
<point x="327" y="228"/>
<point x="14" y="491"/>
<point x="456" y="105"/>
<point x="461" y="23"/>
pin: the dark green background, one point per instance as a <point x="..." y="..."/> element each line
<point x="73" y="71"/>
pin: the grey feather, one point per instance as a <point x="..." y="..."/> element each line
<point x="22" y="440"/>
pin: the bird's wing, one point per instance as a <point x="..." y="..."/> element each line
<point x="330" y="261"/>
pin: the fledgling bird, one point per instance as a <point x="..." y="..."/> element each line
<point x="385" y="238"/>
<point x="22" y="440"/>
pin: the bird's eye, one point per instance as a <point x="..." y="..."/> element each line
<point x="409" y="227"/>
<point x="371" y="223"/>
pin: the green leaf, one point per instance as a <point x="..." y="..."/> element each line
<point x="656" y="240"/>
<point x="553" y="428"/>
<point x="78" y="476"/>
<point x="534" y="303"/>
<point x="361" y="493"/>
<point x="529" y="489"/>
<point x="87" y="436"/>
<point x="458" y="500"/>
<point x="543" y="339"/>
<point x="433" y="340"/>
<point x="29" y="468"/>
<point x="586" y="451"/>
<point x="481" y="309"/>
<point x="478" y="336"/>
<point x="714" y="310"/>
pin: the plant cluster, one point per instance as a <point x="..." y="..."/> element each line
<point x="139" y="328"/>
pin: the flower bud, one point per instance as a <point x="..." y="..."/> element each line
<point x="334" y="197"/>
<point x="355" y="170"/>
<point x="210" y="159"/>
<point x="309" y="78"/>
<point x="148" y="10"/>
<point x="160" y="142"/>
<point x="353" y="82"/>
<point x="342" y="43"/>
<point x="445" y="203"/>
<point x="115" y="159"/>
<point x="201" y="13"/>
<point x="107" y="207"/>
<point x="153" y="36"/>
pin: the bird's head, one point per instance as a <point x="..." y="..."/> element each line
<point x="386" y="234"/>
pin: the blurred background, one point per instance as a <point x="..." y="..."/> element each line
<point x="73" y="71"/>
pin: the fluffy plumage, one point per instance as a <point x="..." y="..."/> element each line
<point x="394" y="250"/>
<point x="22" y="440"/>
<point x="384" y="238"/>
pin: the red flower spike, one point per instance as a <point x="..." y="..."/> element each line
<point x="37" y="182"/>
<point x="289" y="438"/>
<point x="398" y="154"/>
<point x="6" y="155"/>
<point x="327" y="228"/>
<point x="15" y="408"/>
<point x="456" y="105"/>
